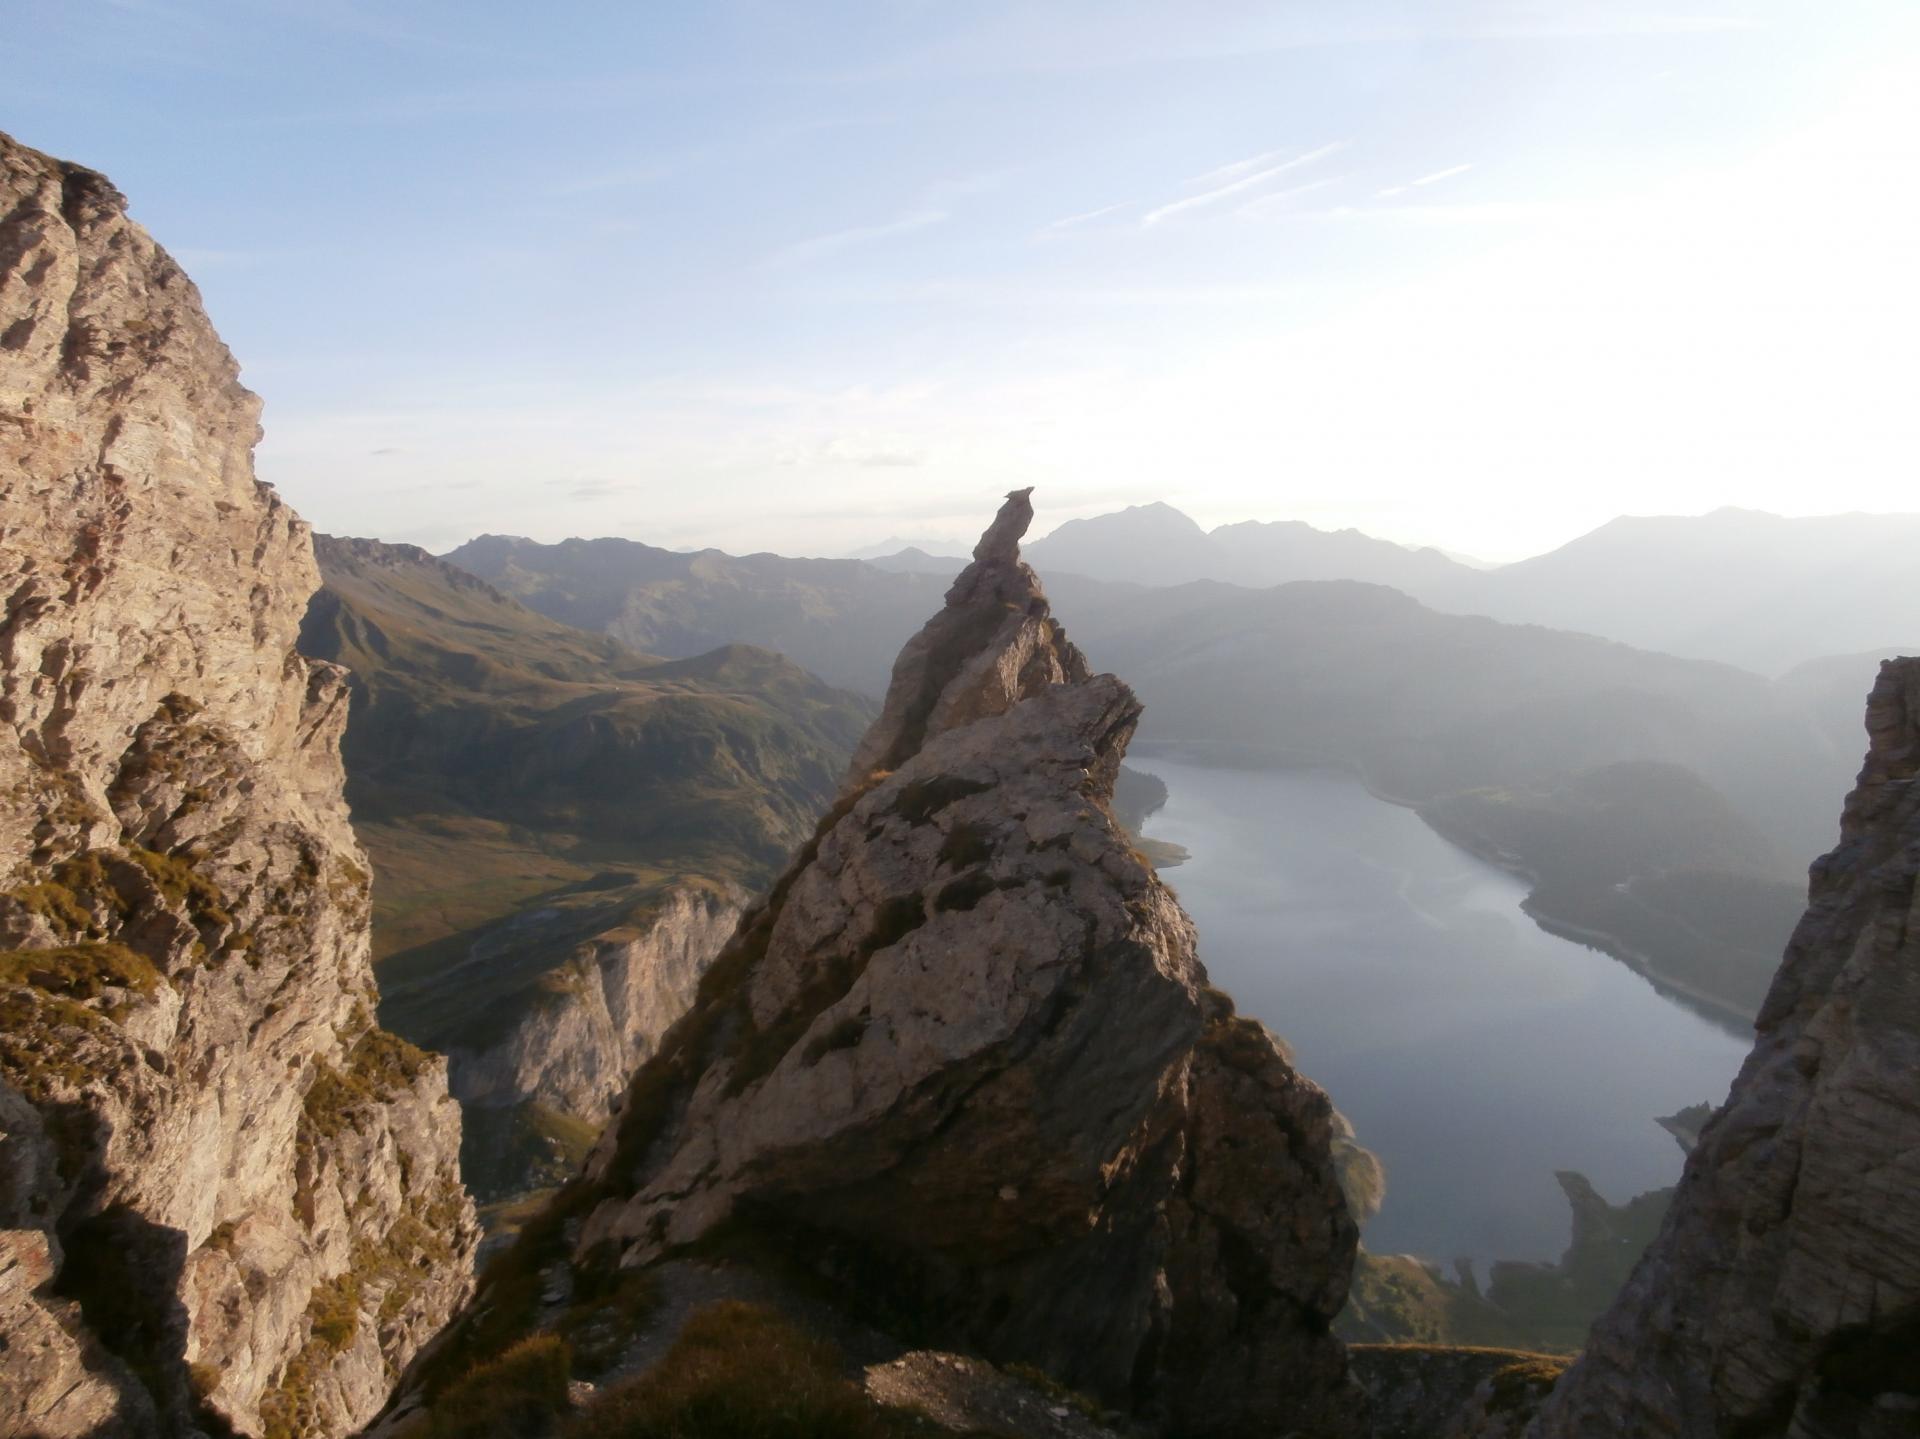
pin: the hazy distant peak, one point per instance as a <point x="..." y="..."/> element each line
<point x="1152" y="544"/>
<point x="897" y="546"/>
<point x="1156" y="516"/>
<point x="1252" y="527"/>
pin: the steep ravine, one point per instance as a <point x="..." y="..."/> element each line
<point x="226" y="1197"/>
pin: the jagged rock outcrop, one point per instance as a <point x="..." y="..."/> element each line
<point x="545" y="1019"/>
<point x="1782" y="1296"/>
<point x="598" y="1015"/>
<point x="1433" y="1391"/>
<point x="224" y="1193"/>
<point x="964" y="1055"/>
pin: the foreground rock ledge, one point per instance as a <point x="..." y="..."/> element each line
<point x="1782" y="1296"/>
<point x="963" y="1058"/>
<point x="226" y="1198"/>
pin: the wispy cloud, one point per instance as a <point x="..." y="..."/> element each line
<point x="623" y="178"/>
<point x="1280" y="200"/>
<point x="1435" y="178"/>
<point x="841" y="450"/>
<point x="1595" y="20"/>
<point x="935" y="206"/>
<point x="820" y="246"/>
<point x="1240" y="167"/>
<point x="1490" y="212"/>
<point x="1085" y="217"/>
<point x="1238" y="186"/>
<point x="594" y="489"/>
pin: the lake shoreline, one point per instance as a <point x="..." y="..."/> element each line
<point x="1708" y="1005"/>
<point x="1476" y="1051"/>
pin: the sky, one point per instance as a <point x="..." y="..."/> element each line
<point x="764" y="275"/>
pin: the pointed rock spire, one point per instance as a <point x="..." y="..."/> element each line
<point x="1001" y="542"/>
<point x="965" y="1049"/>
<point x="994" y="644"/>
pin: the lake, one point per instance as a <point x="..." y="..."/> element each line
<point x="1474" y="1052"/>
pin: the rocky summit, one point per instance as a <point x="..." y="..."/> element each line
<point x="228" y="1201"/>
<point x="963" y="1056"/>
<point x="1782" y="1296"/>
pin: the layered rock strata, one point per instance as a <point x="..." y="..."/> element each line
<point x="226" y="1197"/>
<point x="1782" y="1296"/>
<point x="964" y="1056"/>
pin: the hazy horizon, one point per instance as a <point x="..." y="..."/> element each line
<point x="957" y="545"/>
<point x="1474" y="275"/>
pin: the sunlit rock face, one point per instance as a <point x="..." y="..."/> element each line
<point x="224" y="1194"/>
<point x="575" y="1049"/>
<point x="1782" y="1297"/>
<point x="964" y="1056"/>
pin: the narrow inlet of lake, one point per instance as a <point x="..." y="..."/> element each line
<point x="1474" y="1052"/>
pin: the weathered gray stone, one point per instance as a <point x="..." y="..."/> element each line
<point x="577" y="1050"/>
<point x="1782" y="1296"/>
<point x="252" y="1192"/>
<point x="965" y="1054"/>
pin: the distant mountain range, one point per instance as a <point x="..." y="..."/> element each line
<point x="493" y="752"/>
<point x="843" y="620"/>
<point x="1638" y="791"/>
<point x="1746" y="588"/>
<point x="1158" y="545"/>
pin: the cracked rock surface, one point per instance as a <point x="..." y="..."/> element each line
<point x="1782" y="1296"/>
<point x="963" y="1057"/>
<point x="225" y="1195"/>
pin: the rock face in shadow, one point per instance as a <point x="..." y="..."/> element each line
<point x="1782" y="1296"/>
<point x="226" y="1197"/>
<point x="964" y="1058"/>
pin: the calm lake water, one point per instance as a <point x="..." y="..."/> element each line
<point x="1474" y="1052"/>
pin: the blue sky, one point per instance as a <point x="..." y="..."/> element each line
<point x="800" y="277"/>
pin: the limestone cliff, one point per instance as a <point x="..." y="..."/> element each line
<point x="549" y="1013"/>
<point x="964" y="1055"/>
<point x="604" y="1012"/>
<point x="1782" y="1296"/>
<point x="224" y="1193"/>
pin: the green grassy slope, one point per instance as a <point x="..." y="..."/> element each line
<point x="494" y="754"/>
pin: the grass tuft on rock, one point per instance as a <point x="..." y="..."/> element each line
<point x="181" y="883"/>
<point x="514" y="1394"/>
<point x="81" y="972"/>
<point x="737" y="1371"/>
